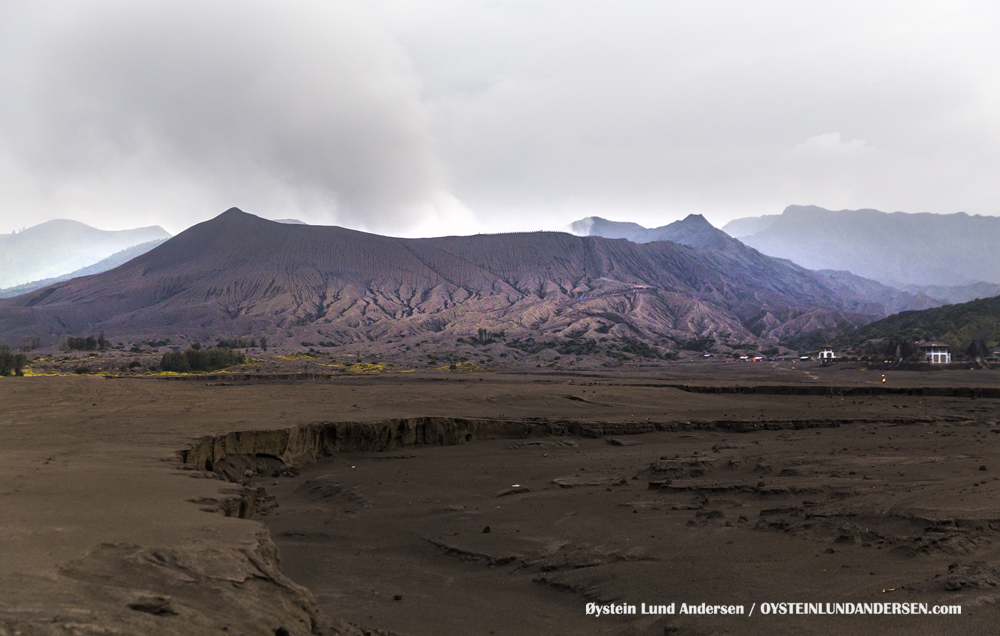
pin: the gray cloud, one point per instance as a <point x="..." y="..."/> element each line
<point x="185" y="108"/>
<point x="653" y="110"/>
<point x="436" y="117"/>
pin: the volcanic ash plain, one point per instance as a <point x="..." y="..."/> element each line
<point x="495" y="504"/>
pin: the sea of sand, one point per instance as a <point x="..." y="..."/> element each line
<point x="502" y="503"/>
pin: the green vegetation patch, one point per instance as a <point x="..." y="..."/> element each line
<point x="957" y="325"/>
<point x="12" y="363"/>
<point x="465" y="367"/>
<point x="237" y="342"/>
<point x="211" y="359"/>
<point x="90" y="343"/>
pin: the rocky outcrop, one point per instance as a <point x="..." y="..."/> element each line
<point x="271" y="451"/>
<point x="306" y="443"/>
<point x="201" y="588"/>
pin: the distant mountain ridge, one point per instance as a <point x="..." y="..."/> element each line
<point x="239" y="274"/>
<point x="56" y="248"/>
<point x="892" y="299"/>
<point x="750" y="225"/>
<point x="862" y="295"/>
<point x="693" y="230"/>
<point x="898" y="249"/>
<point x="956" y="293"/>
<point x="111" y="262"/>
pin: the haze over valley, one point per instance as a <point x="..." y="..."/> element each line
<point x="950" y="256"/>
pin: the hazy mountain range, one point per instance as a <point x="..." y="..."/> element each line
<point x="111" y="262"/>
<point x="57" y="248"/>
<point x="948" y="256"/>
<point x="239" y="274"/>
<point x="694" y="230"/>
<point x="893" y="248"/>
<point x="49" y="241"/>
<point x="956" y="293"/>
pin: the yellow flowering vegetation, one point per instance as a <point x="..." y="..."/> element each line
<point x="365" y="368"/>
<point x="465" y="367"/>
<point x="298" y="355"/>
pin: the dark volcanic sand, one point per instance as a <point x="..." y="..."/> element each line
<point x="858" y="513"/>
<point x="91" y="498"/>
<point x="897" y="508"/>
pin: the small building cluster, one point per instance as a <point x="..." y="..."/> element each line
<point x="907" y="352"/>
<point x="936" y="352"/>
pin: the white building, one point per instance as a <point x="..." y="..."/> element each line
<point x="826" y="352"/>
<point x="936" y="352"/>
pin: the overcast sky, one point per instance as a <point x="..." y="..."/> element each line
<point x="452" y="117"/>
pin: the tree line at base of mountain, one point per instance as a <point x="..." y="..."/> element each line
<point x="243" y="342"/>
<point x="90" y="343"/>
<point x="12" y="363"/>
<point x="199" y="359"/>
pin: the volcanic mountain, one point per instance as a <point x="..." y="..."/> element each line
<point x="694" y="231"/>
<point x="240" y="274"/>
<point x="862" y="294"/>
